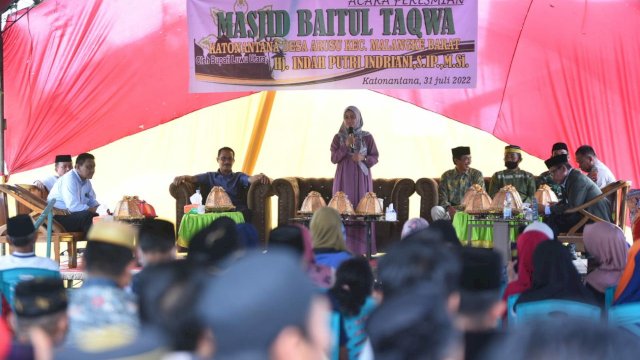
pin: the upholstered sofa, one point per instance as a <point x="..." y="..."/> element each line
<point x="427" y="188"/>
<point x="292" y="191"/>
<point x="258" y="199"/>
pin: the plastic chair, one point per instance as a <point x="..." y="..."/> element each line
<point x="626" y="316"/>
<point x="536" y="310"/>
<point x="608" y="296"/>
<point x="10" y="278"/>
<point x="511" y="312"/>
<point x="334" y="325"/>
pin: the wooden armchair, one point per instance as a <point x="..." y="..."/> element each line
<point x="616" y="192"/>
<point x="37" y="205"/>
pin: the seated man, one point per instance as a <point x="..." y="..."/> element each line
<point x="289" y="321"/>
<point x="596" y="170"/>
<point x="454" y="184"/>
<point x="102" y="303"/>
<point x="22" y="236"/>
<point x="579" y="189"/>
<point x="545" y="178"/>
<point x="156" y="245"/>
<point x="75" y="196"/>
<point x="63" y="166"/>
<point x="522" y="180"/>
<point x="233" y="183"/>
<point x="481" y="305"/>
<point x="156" y="242"/>
<point x="40" y="311"/>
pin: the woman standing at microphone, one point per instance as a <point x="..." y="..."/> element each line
<point x="355" y="152"/>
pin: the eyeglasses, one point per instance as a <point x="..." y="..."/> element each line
<point x="225" y="158"/>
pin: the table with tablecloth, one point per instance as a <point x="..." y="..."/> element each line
<point x="191" y="224"/>
<point x="481" y="229"/>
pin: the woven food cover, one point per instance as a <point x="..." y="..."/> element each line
<point x="476" y="200"/>
<point x="128" y="209"/>
<point x="340" y="202"/>
<point x="218" y="200"/>
<point x="498" y="200"/>
<point x="369" y="205"/>
<point x="312" y="202"/>
<point x="544" y="195"/>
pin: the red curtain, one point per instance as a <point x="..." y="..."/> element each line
<point x="554" y="71"/>
<point x="81" y="74"/>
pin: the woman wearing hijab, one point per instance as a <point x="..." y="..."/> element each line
<point x="355" y="152"/>
<point x="628" y="289"/>
<point x="526" y="244"/>
<point x="555" y="276"/>
<point x="328" y="240"/>
<point x="608" y="246"/>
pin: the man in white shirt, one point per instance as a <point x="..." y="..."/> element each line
<point x="63" y="165"/>
<point x="74" y="195"/>
<point x="596" y="170"/>
<point x="22" y="236"/>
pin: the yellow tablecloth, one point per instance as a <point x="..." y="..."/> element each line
<point x="192" y="223"/>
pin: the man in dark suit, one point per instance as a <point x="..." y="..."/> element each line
<point x="578" y="189"/>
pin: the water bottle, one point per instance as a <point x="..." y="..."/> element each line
<point x="391" y="214"/>
<point x="196" y="199"/>
<point x="508" y="205"/>
<point x="534" y="209"/>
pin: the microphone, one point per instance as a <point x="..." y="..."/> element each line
<point x="352" y="147"/>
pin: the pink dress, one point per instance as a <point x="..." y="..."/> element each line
<point x="351" y="179"/>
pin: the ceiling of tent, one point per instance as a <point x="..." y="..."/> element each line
<point x="79" y="75"/>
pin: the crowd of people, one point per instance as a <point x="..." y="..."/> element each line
<point x="307" y="297"/>
<point x="308" y="293"/>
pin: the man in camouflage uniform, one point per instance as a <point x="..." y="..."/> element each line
<point x="454" y="184"/>
<point x="522" y="180"/>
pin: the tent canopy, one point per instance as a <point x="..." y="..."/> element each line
<point x="79" y="75"/>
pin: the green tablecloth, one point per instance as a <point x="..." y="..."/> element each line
<point x="480" y="237"/>
<point x="192" y="223"/>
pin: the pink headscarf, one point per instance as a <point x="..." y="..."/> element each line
<point x="526" y="243"/>
<point x="322" y="276"/>
<point x="608" y="246"/>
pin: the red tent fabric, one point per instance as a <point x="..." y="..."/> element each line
<point x="79" y="75"/>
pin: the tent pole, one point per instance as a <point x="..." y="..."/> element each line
<point x="259" y="129"/>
